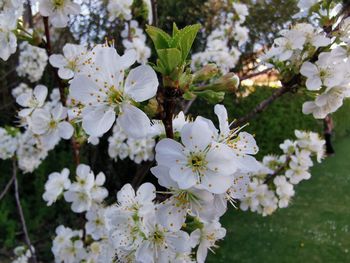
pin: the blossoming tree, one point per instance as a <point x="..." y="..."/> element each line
<point x="137" y="97"/>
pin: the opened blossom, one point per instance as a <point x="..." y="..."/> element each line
<point x="31" y="100"/>
<point x="58" y="11"/>
<point x="55" y="185"/>
<point x="51" y="125"/>
<point x="71" y="62"/>
<point x="199" y="161"/>
<point x="324" y="72"/>
<point x="86" y="190"/>
<point x="102" y="93"/>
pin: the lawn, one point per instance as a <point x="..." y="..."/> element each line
<point x="314" y="228"/>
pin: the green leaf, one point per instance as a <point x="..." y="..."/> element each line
<point x="170" y="58"/>
<point x="184" y="39"/>
<point x="175" y="29"/>
<point x="160" y="38"/>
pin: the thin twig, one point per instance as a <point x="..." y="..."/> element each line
<point x="48" y="48"/>
<point x="7" y="188"/>
<point x="75" y="145"/>
<point x="20" y="212"/>
<point x="29" y="14"/>
<point x="188" y="106"/>
<point x="249" y="76"/>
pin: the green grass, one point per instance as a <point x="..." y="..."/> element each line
<point x="314" y="228"/>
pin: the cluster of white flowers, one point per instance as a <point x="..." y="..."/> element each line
<point x="122" y="9"/>
<point x="47" y="120"/>
<point x="23" y="254"/>
<point x="44" y="124"/>
<point x="328" y="76"/>
<point x="119" y="9"/>
<point x="32" y="62"/>
<point x="58" y="11"/>
<point x="121" y="146"/>
<point x="84" y="193"/>
<point x="140" y="149"/>
<point x="10" y="11"/>
<point x="272" y="186"/>
<point x="222" y="42"/>
<point x="200" y="174"/>
<point x="134" y="38"/>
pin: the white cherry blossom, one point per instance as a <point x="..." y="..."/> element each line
<point x="58" y="11"/>
<point x="71" y="62"/>
<point x="55" y="185"/>
<point x="106" y="94"/>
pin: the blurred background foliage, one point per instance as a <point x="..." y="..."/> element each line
<point x="266" y="18"/>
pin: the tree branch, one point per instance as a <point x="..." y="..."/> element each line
<point x="20" y="212"/>
<point x="154" y="12"/>
<point x="252" y="75"/>
<point x="48" y="47"/>
<point x="290" y="85"/>
<point x="261" y="106"/>
<point x="7" y="188"/>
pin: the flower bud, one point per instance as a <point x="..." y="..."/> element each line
<point x="206" y="73"/>
<point x="228" y="82"/>
<point x="151" y="108"/>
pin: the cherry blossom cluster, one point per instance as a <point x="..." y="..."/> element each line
<point x="200" y="175"/>
<point x="223" y="42"/>
<point x="121" y="145"/>
<point x="133" y="35"/>
<point x="122" y="9"/>
<point x="272" y="185"/>
<point x="200" y="168"/>
<point x="10" y="12"/>
<point x="134" y="38"/>
<point x="44" y="123"/>
<point x="137" y="149"/>
<point x="32" y="62"/>
<point x="326" y="76"/>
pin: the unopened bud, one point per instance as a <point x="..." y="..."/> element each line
<point x="227" y="82"/>
<point x="206" y="73"/>
<point x="151" y="108"/>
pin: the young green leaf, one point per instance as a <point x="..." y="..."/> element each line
<point x="184" y="39"/>
<point x="170" y="58"/>
<point x="159" y="37"/>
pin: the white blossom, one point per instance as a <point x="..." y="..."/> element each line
<point x="58" y="11"/>
<point x="71" y="62"/>
<point x="55" y="185"/>
<point x="32" y="62"/>
<point x="106" y="94"/>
